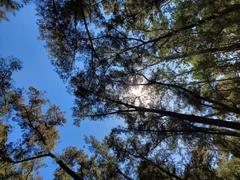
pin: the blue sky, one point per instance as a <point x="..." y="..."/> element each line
<point x="19" y="38"/>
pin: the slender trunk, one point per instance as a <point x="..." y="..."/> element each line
<point x="183" y="117"/>
<point x="61" y="164"/>
<point x="65" y="167"/>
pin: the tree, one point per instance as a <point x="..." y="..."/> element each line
<point x="39" y="133"/>
<point x="169" y="69"/>
<point x="117" y="60"/>
<point x="23" y="158"/>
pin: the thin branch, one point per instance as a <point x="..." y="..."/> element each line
<point x="111" y="113"/>
<point x="31" y="158"/>
<point x="89" y="36"/>
<point x="228" y="48"/>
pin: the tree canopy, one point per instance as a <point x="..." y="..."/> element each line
<point x="168" y="68"/>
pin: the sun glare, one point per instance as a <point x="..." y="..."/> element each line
<point x="138" y="94"/>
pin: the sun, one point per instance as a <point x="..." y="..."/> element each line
<point x="138" y="94"/>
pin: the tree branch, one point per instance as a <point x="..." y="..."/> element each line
<point x="31" y="158"/>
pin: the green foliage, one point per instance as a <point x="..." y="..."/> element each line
<point x="153" y="63"/>
<point x="169" y="69"/>
<point x="229" y="168"/>
<point x="39" y="128"/>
